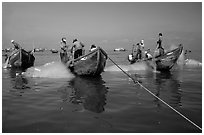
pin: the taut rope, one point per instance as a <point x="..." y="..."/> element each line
<point x="136" y="81"/>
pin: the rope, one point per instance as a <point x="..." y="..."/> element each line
<point x="136" y="81"/>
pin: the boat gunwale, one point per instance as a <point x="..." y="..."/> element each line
<point x="79" y="58"/>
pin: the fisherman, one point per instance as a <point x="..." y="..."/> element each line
<point x="159" y="48"/>
<point x="142" y="48"/>
<point x="138" y="52"/>
<point x="78" y="48"/>
<point x="63" y="44"/>
<point x="16" y="47"/>
<point x="139" y="48"/>
<point x="66" y="52"/>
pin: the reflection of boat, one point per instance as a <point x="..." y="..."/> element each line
<point x="119" y="49"/>
<point x="164" y="62"/>
<point x="19" y="82"/>
<point x="21" y="59"/>
<point x="90" y="92"/>
<point x="168" y="88"/>
<point x="91" y="64"/>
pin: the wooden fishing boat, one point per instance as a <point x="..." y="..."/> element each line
<point x="168" y="60"/>
<point x="164" y="62"/>
<point x="91" y="64"/>
<point x="90" y="92"/>
<point x="21" y="59"/>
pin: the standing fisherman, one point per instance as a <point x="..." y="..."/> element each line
<point x="78" y="48"/>
<point x="16" y="47"/>
<point x="159" y="49"/>
<point x="63" y="45"/>
<point x="139" y="48"/>
<point x="65" y="53"/>
<point x="136" y="51"/>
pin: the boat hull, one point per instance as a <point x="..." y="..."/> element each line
<point x="21" y="59"/>
<point x="168" y="60"/>
<point x="91" y="64"/>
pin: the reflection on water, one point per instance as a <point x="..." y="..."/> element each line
<point x="90" y="92"/>
<point x="19" y="82"/>
<point x="54" y="105"/>
<point x="13" y="73"/>
<point x="169" y="88"/>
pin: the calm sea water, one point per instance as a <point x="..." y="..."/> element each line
<point x="57" y="101"/>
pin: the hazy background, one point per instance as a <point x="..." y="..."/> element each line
<point x="109" y="25"/>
